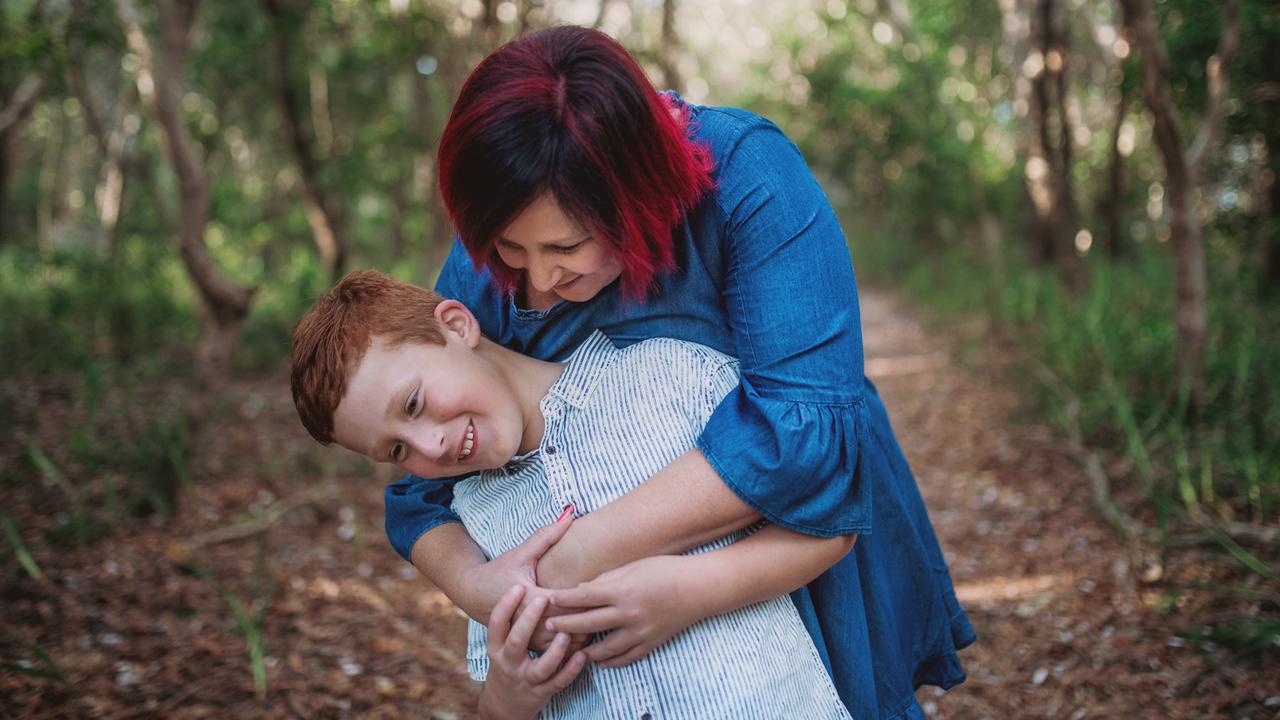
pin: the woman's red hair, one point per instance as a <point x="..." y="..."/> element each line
<point x="568" y="110"/>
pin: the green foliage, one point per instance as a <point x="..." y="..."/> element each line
<point x="265" y="340"/>
<point x="69" y="311"/>
<point x="1248" y="640"/>
<point x="1113" y="346"/>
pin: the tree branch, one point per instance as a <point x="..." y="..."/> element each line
<point x="21" y="101"/>
<point x="1217" y="78"/>
<point x="326" y="228"/>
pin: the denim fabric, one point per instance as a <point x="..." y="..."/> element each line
<point x="613" y="419"/>
<point x="764" y="275"/>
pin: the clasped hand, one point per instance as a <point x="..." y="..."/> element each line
<point x="489" y="582"/>
<point x="639" y="606"/>
<point x="636" y="607"/>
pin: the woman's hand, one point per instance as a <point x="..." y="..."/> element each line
<point x="641" y="605"/>
<point x="518" y="566"/>
<point x="518" y="685"/>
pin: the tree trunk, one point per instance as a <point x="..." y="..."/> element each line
<point x="1037" y="170"/>
<point x="1111" y="205"/>
<point x="1271" y="229"/>
<point x="431" y="124"/>
<point x="489" y="25"/>
<point x="1182" y="173"/>
<point x="108" y="196"/>
<point x="601" y="10"/>
<point x="670" y="45"/>
<point x="322" y="214"/>
<point x="226" y="305"/>
<point x="17" y="108"/>
<point x="1048" y="168"/>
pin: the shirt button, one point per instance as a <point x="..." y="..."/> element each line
<point x="551" y="449"/>
<point x="646" y="716"/>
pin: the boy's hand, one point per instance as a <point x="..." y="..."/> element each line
<point x="641" y="605"/>
<point x="518" y="686"/>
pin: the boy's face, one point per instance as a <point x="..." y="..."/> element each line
<point x="436" y="411"/>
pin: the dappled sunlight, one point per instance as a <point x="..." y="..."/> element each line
<point x="878" y="367"/>
<point x="1009" y="588"/>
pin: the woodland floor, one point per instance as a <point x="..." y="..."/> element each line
<point x="1072" y="622"/>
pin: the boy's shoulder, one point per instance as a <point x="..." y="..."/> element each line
<point x="673" y="351"/>
<point x="679" y="365"/>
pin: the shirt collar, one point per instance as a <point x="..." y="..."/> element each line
<point x="585" y="368"/>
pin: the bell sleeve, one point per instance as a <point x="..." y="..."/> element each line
<point x="790" y="438"/>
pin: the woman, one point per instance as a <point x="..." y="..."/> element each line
<point x="586" y="200"/>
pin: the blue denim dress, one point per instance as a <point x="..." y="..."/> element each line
<point x="764" y="275"/>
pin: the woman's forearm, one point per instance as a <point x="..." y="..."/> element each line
<point x="769" y="563"/>
<point x="683" y="506"/>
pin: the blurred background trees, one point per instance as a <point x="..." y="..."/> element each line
<point x="1093" y="179"/>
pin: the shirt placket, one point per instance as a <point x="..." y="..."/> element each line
<point x="555" y="461"/>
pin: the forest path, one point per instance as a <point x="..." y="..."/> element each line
<point x="1065" y="628"/>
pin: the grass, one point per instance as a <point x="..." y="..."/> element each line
<point x="20" y="551"/>
<point x="44" y="667"/>
<point x="249" y="617"/>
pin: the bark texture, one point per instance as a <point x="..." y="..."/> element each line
<point x="1182" y="174"/>
<point x="324" y="215"/>
<point x="226" y="304"/>
<point x="1048" y="169"/>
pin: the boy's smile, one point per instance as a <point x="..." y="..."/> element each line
<point x="439" y="410"/>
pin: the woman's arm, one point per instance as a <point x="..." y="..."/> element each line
<point x="645" y="603"/>
<point x="683" y="506"/>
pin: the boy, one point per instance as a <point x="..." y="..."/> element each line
<point x="400" y="375"/>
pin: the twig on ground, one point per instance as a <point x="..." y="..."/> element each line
<point x="1128" y="526"/>
<point x="1267" y="538"/>
<point x="182" y="550"/>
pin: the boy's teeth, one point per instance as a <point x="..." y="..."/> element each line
<point x="470" y="441"/>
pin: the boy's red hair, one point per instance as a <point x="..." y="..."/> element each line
<point x="569" y="111"/>
<point x="333" y="336"/>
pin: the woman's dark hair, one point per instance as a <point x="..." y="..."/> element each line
<point x="568" y="110"/>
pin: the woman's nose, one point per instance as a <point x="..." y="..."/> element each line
<point x="545" y="275"/>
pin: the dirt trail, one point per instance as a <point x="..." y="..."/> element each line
<point x="1066" y="629"/>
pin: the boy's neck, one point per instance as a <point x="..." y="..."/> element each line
<point x="530" y="379"/>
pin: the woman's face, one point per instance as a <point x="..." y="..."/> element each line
<point x="560" y="258"/>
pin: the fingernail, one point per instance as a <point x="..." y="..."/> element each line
<point x="568" y="512"/>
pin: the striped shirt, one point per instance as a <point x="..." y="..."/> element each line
<point x="613" y="419"/>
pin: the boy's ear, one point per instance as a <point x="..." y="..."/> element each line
<point x="455" y="319"/>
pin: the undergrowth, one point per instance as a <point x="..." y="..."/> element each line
<point x="1113" y="346"/>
